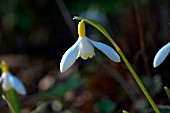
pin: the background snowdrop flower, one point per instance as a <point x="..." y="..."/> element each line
<point x="161" y="55"/>
<point x="84" y="48"/>
<point x="9" y="81"/>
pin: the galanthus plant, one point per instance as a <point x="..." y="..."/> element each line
<point x="84" y="48"/>
<point x="9" y="81"/>
<point x="10" y="85"/>
<point x="161" y="55"/>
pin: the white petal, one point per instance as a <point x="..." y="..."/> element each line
<point x="161" y="55"/>
<point x="86" y="49"/>
<point x="107" y="50"/>
<point x="17" y="85"/>
<point x="69" y="57"/>
<point x="2" y="77"/>
<point x="6" y="85"/>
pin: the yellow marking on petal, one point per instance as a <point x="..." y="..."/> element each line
<point x="4" y="66"/>
<point x="81" y="29"/>
<point x="90" y="55"/>
<point x="85" y="56"/>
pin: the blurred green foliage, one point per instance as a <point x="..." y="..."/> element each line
<point x="109" y="7"/>
<point x="106" y="106"/>
<point x="73" y="82"/>
<point x="37" y="29"/>
<point x="150" y="82"/>
<point x="59" y="90"/>
<point x="167" y="90"/>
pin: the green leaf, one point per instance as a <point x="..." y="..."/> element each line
<point x="106" y="106"/>
<point x="13" y="100"/>
<point x="167" y="90"/>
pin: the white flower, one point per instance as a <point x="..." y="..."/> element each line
<point x="161" y="55"/>
<point x="84" y="48"/>
<point x="9" y="82"/>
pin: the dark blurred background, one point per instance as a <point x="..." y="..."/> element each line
<point x="34" y="34"/>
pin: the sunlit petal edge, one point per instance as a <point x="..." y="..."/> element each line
<point x="17" y="85"/>
<point x="69" y="57"/>
<point x="161" y="55"/>
<point x="107" y="50"/>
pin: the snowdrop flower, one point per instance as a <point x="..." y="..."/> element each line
<point x="9" y="81"/>
<point x="84" y="48"/>
<point x="161" y="55"/>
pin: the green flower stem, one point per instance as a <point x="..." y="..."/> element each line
<point x="102" y="30"/>
<point x="13" y="100"/>
<point x="136" y="78"/>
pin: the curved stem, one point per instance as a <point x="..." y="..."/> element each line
<point x="139" y="82"/>
<point x="135" y="76"/>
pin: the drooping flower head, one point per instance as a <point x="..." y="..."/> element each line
<point x="9" y="81"/>
<point x="84" y="48"/>
<point x="161" y="55"/>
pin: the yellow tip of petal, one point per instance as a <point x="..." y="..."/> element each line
<point x="81" y="29"/>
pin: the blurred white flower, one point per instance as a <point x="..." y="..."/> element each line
<point x="95" y="14"/>
<point x="9" y="81"/>
<point x="161" y="55"/>
<point x="84" y="48"/>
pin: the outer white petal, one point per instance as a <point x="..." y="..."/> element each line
<point x="17" y="85"/>
<point x="69" y="57"/>
<point x="2" y="77"/>
<point x="6" y="85"/>
<point x="107" y="50"/>
<point x="161" y="55"/>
